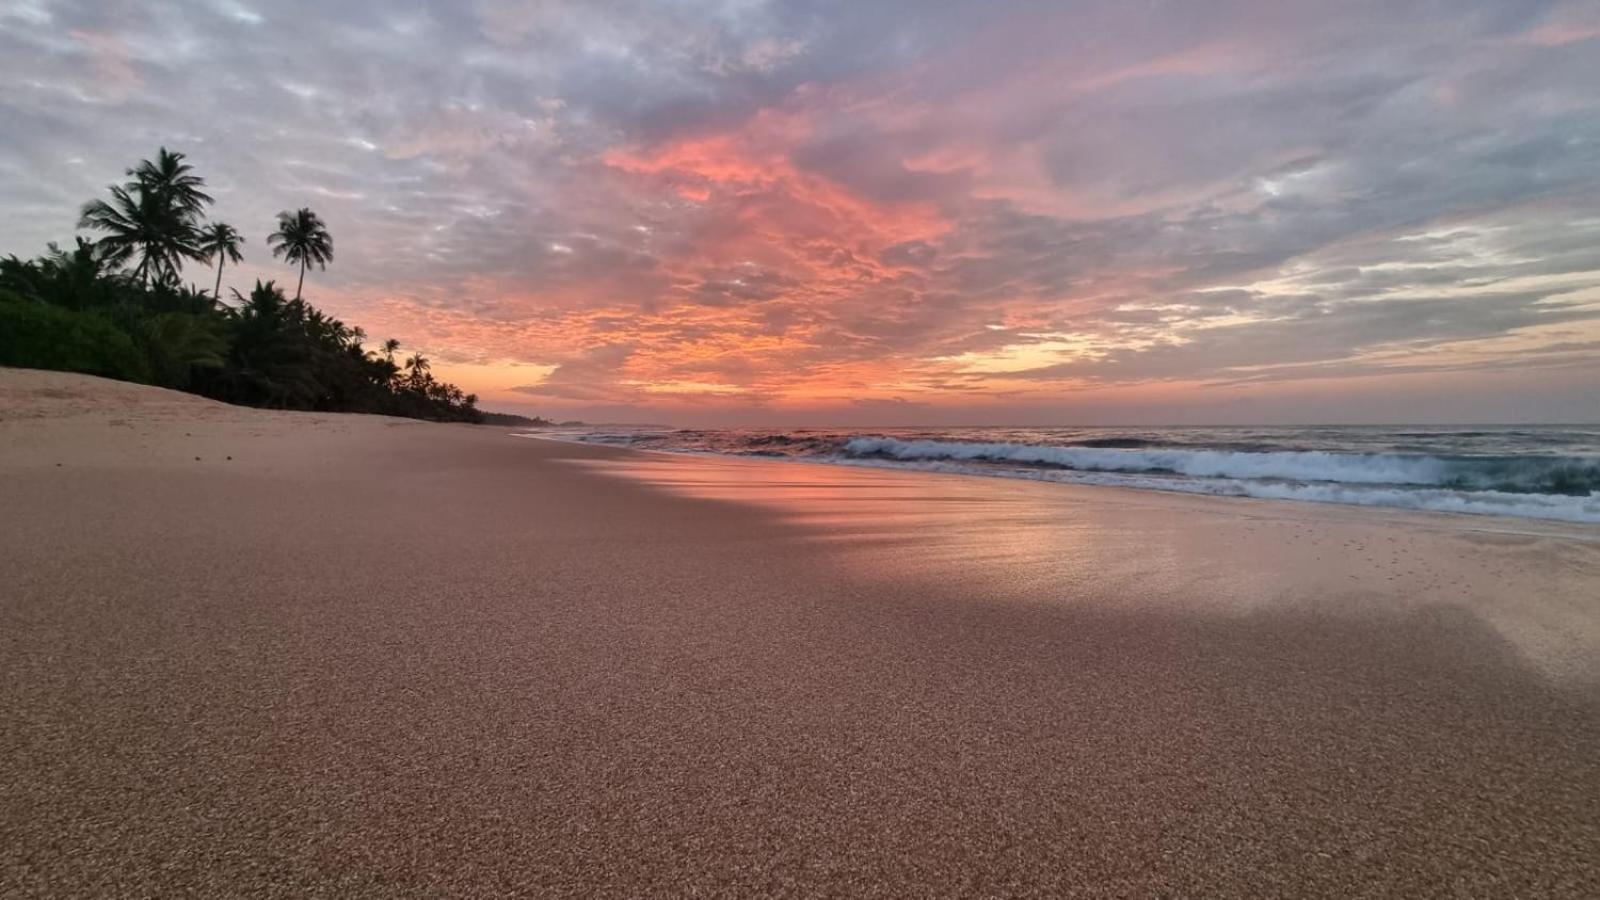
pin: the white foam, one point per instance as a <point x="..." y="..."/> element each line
<point x="1417" y="482"/>
<point x="1556" y="507"/>
<point x="1531" y="473"/>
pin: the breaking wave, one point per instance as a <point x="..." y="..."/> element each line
<point x="1546" y="472"/>
<point x="1541" y="475"/>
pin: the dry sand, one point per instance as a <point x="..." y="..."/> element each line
<point x="366" y="657"/>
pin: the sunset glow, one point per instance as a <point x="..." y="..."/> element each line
<point x="776" y="211"/>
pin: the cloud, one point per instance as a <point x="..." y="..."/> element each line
<point x="584" y="377"/>
<point x="763" y="207"/>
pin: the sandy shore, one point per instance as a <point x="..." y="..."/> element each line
<point x="273" y="654"/>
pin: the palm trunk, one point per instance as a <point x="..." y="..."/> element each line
<point x="302" y="280"/>
<point x="216" y="292"/>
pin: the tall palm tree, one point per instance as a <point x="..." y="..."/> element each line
<point x="141" y="223"/>
<point x="302" y="238"/>
<point x="221" y="242"/>
<point x="418" y="366"/>
<point x="153" y="216"/>
<point x="173" y="180"/>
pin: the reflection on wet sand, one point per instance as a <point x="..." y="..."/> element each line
<point x="1053" y="544"/>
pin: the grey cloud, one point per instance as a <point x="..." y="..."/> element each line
<point x="1319" y="332"/>
<point x="1373" y="155"/>
<point x="585" y="377"/>
<point x="748" y="283"/>
<point x="869" y="165"/>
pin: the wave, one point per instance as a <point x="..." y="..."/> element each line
<point x="1496" y="475"/>
<point x="1575" y="476"/>
<point x="1555" y="507"/>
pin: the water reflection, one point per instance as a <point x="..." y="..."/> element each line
<point x="1040" y="543"/>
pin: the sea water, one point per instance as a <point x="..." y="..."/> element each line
<point x="1543" y="471"/>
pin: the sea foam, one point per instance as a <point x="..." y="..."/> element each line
<point x="1546" y="472"/>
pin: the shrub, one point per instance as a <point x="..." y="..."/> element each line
<point x="35" y="335"/>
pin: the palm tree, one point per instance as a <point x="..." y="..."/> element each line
<point x="389" y="347"/>
<point x="141" y="223"/>
<point x="171" y="179"/>
<point x="153" y="215"/>
<point x="302" y="238"/>
<point x="418" y="366"/>
<point x="220" y="241"/>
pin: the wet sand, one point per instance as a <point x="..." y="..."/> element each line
<point x="366" y="657"/>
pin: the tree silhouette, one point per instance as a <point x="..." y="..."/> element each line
<point x="152" y="216"/>
<point x="302" y="238"/>
<point x="77" y="279"/>
<point x="82" y="310"/>
<point x="418" y="366"/>
<point x="220" y="241"/>
<point x="173" y="182"/>
<point x="140" y="224"/>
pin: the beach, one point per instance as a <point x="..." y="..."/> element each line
<point x="260" y="653"/>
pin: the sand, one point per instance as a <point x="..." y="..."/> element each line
<point x="275" y="654"/>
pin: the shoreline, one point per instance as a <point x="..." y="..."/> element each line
<point x="1497" y="523"/>
<point x="368" y="657"/>
<point x="1510" y="476"/>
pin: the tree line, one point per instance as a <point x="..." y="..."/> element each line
<point x="115" y="305"/>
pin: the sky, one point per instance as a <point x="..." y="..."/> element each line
<point x="894" y="212"/>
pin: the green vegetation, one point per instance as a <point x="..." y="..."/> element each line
<point x="116" y="307"/>
<point x="515" y="421"/>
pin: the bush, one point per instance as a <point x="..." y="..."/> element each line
<point x="36" y="335"/>
<point x="176" y="344"/>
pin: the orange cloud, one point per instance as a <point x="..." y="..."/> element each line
<point x="750" y="170"/>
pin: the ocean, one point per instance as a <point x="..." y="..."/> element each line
<point x="1535" y="471"/>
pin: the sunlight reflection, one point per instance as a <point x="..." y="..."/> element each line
<point x="998" y="540"/>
